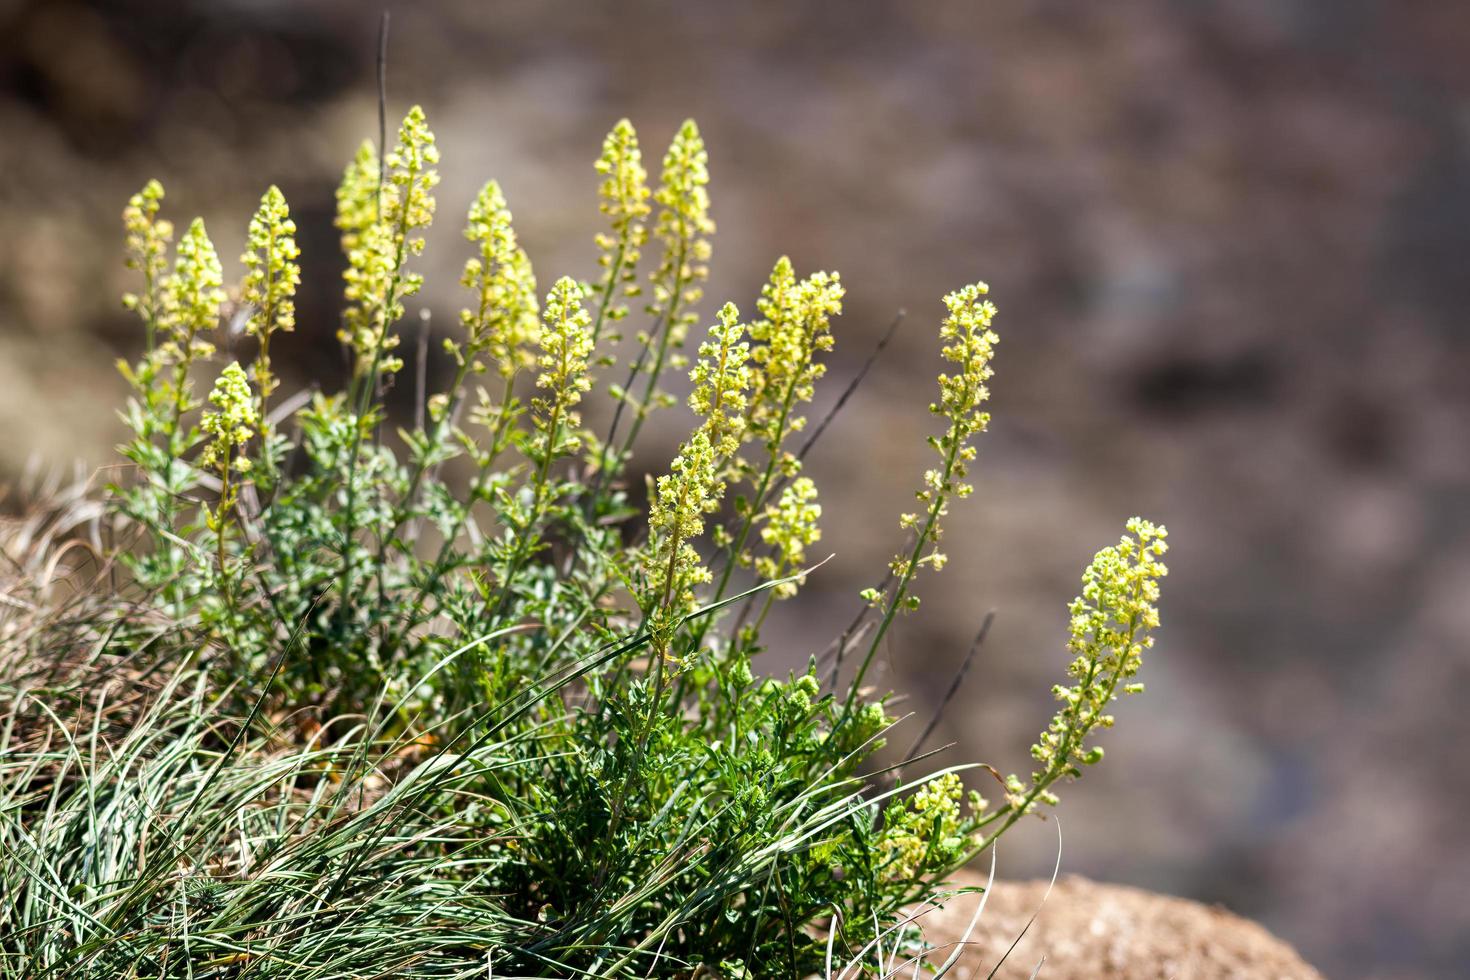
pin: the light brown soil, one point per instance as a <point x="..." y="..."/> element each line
<point x="1092" y="931"/>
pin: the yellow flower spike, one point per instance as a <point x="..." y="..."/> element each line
<point x="676" y="512"/>
<point x="367" y="248"/>
<point x="148" y="238"/>
<point x="412" y="177"/>
<point x="231" y="423"/>
<point x="684" y="227"/>
<point x="969" y="343"/>
<point x="357" y="197"/>
<point x="1107" y="635"/>
<point x="357" y="216"/>
<point x="271" y="278"/>
<point x="693" y="485"/>
<point x="721" y="377"/>
<point x="794" y="328"/>
<point x="566" y="345"/>
<point x="775" y="305"/>
<point x="622" y="196"/>
<point x="193" y="294"/>
<point x="506" y="320"/>
<point x="369" y="275"/>
<point x="683" y="495"/>
<point x="380" y="232"/>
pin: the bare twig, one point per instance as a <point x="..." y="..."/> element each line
<point x="382" y="108"/>
<point x="954" y="686"/>
<point x="852" y="385"/>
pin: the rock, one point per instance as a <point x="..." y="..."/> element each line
<point x="1092" y="931"/>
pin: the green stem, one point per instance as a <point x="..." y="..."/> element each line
<point x="150" y="317"/>
<point x="446" y="548"/>
<point x="522" y="550"/>
<point x="911" y="567"/>
<point x="224" y="503"/>
<point x="664" y="327"/>
<point x="368" y="385"/>
<point x="659" y="647"/>
<point x="605" y="304"/>
<point x="421" y="466"/>
<point x="172" y="446"/>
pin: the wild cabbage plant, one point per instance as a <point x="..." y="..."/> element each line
<point x="443" y="698"/>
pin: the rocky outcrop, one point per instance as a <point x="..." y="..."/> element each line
<point x="1086" y="930"/>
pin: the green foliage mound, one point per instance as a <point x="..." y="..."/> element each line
<point x="447" y="701"/>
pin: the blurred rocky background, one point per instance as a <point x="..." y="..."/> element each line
<point x="1229" y="241"/>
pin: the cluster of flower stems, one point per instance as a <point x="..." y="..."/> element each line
<point x="499" y="531"/>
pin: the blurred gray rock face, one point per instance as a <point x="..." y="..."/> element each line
<point x="1229" y="244"/>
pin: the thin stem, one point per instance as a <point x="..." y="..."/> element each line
<point x="220" y="551"/>
<point x="369" y="381"/>
<point x="589" y="505"/>
<point x="421" y="465"/>
<point x="172" y="447"/>
<point x="263" y="378"/>
<point x="954" y="688"/>
<point x="664" y="327"/>
<point x="1061" y="764"/>
<point x="150" y="318"/>
<point x="910" y="568"/>
<point x="523" y="546"/>
<point x="442" y="561"/>
<point x="605" y="304"/>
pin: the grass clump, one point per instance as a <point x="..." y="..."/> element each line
<point x="341" y="704"/>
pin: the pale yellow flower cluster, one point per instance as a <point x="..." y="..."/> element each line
<point x="1108" y="633"/>
<point x="408" y="204"/>
<point x="676" y="517"/>
<point x="684" y="227"/>
<point x="148" y="238"/>
<point x="721" y="377"/>
<point x="622" y="196"/>
<point x="231" y="423"/>
<point x="794" y="328"/>
<point x="192" y="295"/>
<point x="357" y="199"/>
<point x="380" y="227"/>
<point x="505" y="322"/>
<point x="790" y="527"/>
<point x="969" y="342"/>
<point x="694" y="485"/>
<point x="566" y="345"/>
<point x="179" y="306"/>
<point x="271" y="278"/>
